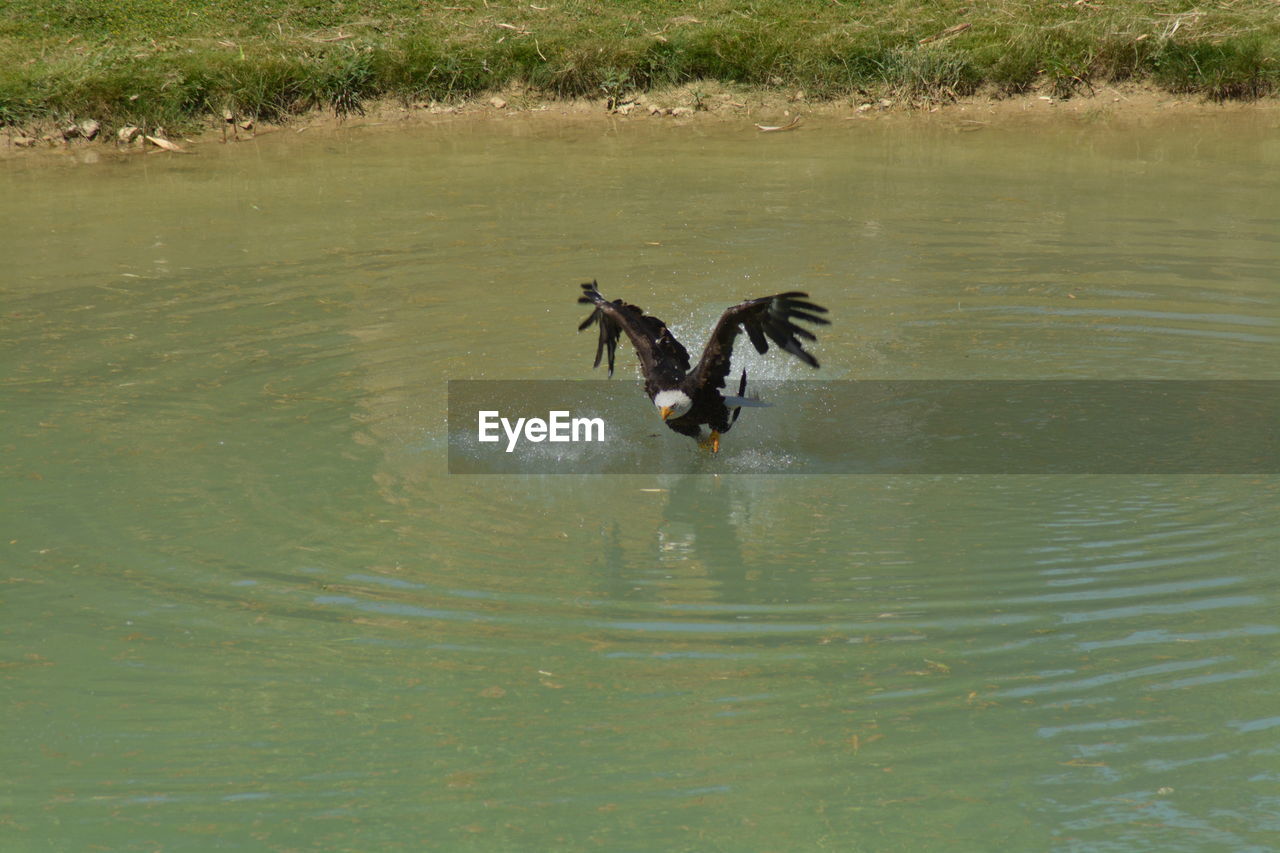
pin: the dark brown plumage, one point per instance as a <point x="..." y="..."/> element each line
<point x="691" y="399"/>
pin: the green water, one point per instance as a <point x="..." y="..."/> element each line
<point x="245" y="607"/>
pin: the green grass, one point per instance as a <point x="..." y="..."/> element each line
<point x="159" y="62"/>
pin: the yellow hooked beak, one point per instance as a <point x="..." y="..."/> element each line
<point x="665" y="411"/>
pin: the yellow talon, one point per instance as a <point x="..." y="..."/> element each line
<point x="711" y="442"/>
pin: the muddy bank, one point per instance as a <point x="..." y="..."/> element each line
<point x="757" y="111"/>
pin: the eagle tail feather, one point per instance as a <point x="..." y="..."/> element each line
<point x="740" y="400"/>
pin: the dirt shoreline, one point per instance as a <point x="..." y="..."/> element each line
<point x="757" y="111"/>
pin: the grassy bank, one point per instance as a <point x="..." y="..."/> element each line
<point x="157" y="62"/>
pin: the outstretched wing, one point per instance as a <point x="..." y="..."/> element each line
<point x="661" y="355"/>
<point x="770" y="318"/>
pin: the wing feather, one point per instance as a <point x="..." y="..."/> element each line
<point x="769" y="318"/>
<point x="661" y="355"/>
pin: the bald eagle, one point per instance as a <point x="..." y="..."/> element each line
<point x="689" y="400"/>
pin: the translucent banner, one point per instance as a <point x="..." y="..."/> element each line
<point x="876" y="427"/>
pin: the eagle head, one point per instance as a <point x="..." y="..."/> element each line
<point x="672" y="404"/>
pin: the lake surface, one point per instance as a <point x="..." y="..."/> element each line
<point x="245" y="605"/>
